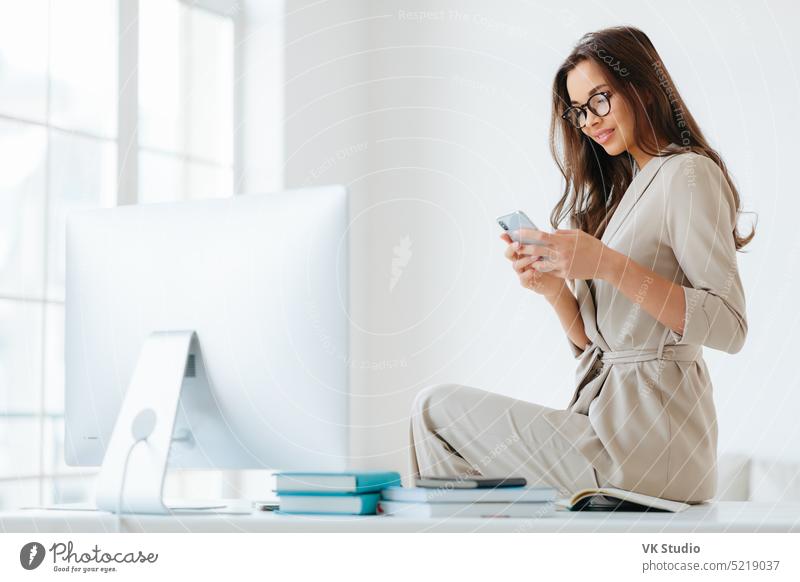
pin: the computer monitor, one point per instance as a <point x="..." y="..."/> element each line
<point x="260" y="281"/>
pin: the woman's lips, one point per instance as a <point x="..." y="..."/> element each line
<point x="602" y="137"/>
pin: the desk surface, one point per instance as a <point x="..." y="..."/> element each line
<point x="714" y="517"/>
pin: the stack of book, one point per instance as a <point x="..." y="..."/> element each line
<point x="354" y="493"/>
<point x="467" y="498"/>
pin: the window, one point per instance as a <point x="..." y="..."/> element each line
<point x="61" y="126"/>
<point x="185" y="102"/>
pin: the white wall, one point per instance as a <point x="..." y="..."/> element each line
<point x="439" y="124"/>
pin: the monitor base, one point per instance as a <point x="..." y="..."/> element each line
<point x="174" y="506"/>
<point x="131" y="479"/>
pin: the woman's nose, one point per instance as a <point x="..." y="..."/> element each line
<point x="591" y="118"/>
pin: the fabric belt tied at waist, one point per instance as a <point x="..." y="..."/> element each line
<point x="680" y="353"/>
<point x="592" y="368"/>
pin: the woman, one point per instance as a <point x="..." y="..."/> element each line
<point x="646" y="276"/>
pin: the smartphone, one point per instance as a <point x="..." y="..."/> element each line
<point x="471" y="483"/>
<point x="513" y="222"/>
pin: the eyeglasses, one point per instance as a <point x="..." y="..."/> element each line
<point x="599" y="104"/>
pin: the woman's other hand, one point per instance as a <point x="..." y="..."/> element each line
<point x="568" y="253"/>
<point x="542" y="283"/>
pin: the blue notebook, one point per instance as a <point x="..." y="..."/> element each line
<point x="332" y="483"/>
<point x="346" y="504"/>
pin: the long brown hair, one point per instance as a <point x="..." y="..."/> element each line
<point x="596" y="181"/>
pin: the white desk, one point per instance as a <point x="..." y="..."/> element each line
<point x="716" y="517"/>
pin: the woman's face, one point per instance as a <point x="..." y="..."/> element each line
<point x="614" y="132"/>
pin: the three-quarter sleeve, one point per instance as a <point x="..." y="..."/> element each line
<point x="700" y="218"/>
<point x="576" y="351"/>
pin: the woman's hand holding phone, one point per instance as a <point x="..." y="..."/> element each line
<point x="542" y="283"/>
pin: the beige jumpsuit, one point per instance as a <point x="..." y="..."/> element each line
<point x="642" y="414"/>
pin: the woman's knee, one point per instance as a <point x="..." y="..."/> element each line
<point x="435" y="405"/>
<point x="430" y="395"/>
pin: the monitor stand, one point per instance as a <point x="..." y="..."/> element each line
<point x="131" y="479"/>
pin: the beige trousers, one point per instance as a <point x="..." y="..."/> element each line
<point x="458" y="430"/>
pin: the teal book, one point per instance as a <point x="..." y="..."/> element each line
<point x="346" y="504"/>
<point x="326" y="483"/>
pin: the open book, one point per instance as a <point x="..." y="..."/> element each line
<point x="611" y="499"/>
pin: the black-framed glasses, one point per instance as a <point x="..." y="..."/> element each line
<point x="599" y="104"/>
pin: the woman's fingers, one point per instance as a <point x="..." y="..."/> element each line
<point x="520" y="264"/>
<point x="531" y="236"/>
<point x="538" y="251"/>
<point x="511" y="251"/>
<point x="526" y="233"/>
<point x="528" y="278"/>
<point x="523" y="256"/>
<point x="543" y="247"/>
<point x="548" y="268"/>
